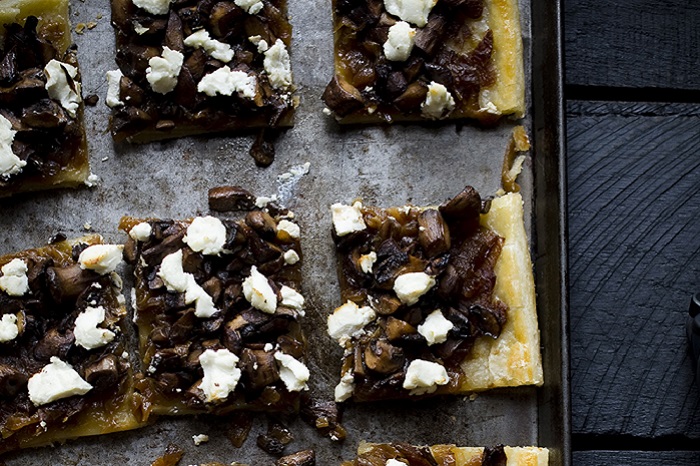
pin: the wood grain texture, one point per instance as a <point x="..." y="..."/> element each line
<point x="633" y="43"/>
<point x="637" y="458"/>
<point x="634" y="246"/>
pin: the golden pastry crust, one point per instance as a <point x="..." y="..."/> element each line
<point x="466" y="456"/>
<point x="53" y="27"/>
<point x="513" y="358"/>
<point x="503" y="94"/>
<point x="101" y="410"/>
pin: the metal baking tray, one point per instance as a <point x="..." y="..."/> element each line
<point x="420" y="164"/>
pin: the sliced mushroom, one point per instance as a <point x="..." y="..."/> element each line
<point x="103" y="373"/>
<point x="67" y="283"/>
<point x="230" y="198"/>
<point x="259" y="367"/>
<point x="383" y="357"/>
<point x="397" y="329"/>
<point x="433" y="234"/>
<point x="412" y="97"/>
<point x="390" y="259"/>
<point x="263" y="223"/>
<point x="223" y="16"/>
<point x="342" y="97"/>
<point x="12" y="381"/>
<point x="174" y="35"/>
<point x="54" y="343"/>
<point x="431" y="35"/>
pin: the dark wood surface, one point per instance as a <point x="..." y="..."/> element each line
<point x="634" y="228"/>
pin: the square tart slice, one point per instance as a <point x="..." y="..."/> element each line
<point x="199" y="66"/>
<point x="403" y="454"/>
<point x="64" y="363"/>
<point x="42" y="136"/>
<point x="437" y="300"/>
<point x="217" y="308"/>
<point x="426" y="60"/>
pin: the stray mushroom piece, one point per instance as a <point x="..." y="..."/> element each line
<point x="301" y="458"/>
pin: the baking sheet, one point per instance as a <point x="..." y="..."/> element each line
<point x="382" y="165"/>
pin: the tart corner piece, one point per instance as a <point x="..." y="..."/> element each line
<point x="436" y="300"/>
<point x="442" y="60"/>
<point x="396" y="454"/>
<point x="218" y="306"/>
<point x="66" y="373"/>
<point x="199" y="67"/>
<point x="42" y="135"/>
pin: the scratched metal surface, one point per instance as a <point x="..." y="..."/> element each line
<point x="382" y="165"/>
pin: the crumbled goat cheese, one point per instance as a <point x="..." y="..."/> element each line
<point x="102" y="258"/>
<point x="258" y="292"/>
<point x="200" y="439"/>
<point x="409" y="287"/>
<point x="86" y="331"/>
<point x="291" y="298"/>
<point x="216" y="49"/>
<point x="347" y="219"/>
<point x="277" y="65"/>
<point x="154" y="7"/>
<point x="399" y="42"/>
<point x="252" y="7"/>
<point x="268" y="347"/>
<point x="114" y="77"/>
<point x="220" y="374"/>
<point x="393" y="462"/>
<point x="139" y="28"/>
<point x="206" y="235"/>
<point x="348" y="320"/>
<point x="14" y="279"/>
<point x="56" y="380"/>
<point x="10" y="164"/>
<point x="262" y="201"/>
<point x="291" y="228"/>
<point x="162" y="72"/>
<point x="58" y="87"/>
<point x="293" y="372"/>
<point x="225" y="82"/>
<point x="413" y="11"/>
<point x="424" y="377"/>
<point x="141" y="232"/>
<point x="345" y="387"/>
<point x="438" y="102"/>
<point x="435" y="328"/>
<point x="291" y="257"/>
<point x="260" y="43"/>
<point x="8" y="328"/>
<point x="367" y="261"/>
<point x="485" y="103"/>
<point x="92" y="180"/>
<point x="175" y="279"/>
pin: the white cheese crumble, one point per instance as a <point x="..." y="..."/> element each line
<point x="139" y="28"/>
<point x="114" y="77"/>
<point x="367" y="261"/>
<point x="162" y="72"/>
<point x="268" y="347"/>
<point x="291" y="298"/>
<point x="485" y="103"/>
<point x="349" y="320"/>
<point x="413" y="11"/>
<point x="141" y="232"/>
<point x="252" y="7"/>
<point x="291" y="228"/>
<point x="154" y="7"/>
<point x="262" y="201"/>
<point x="345" y="387"/>
<point x="10" y="164"/>
<point x="58" y="87"/>
<point x="86" y="331"/>
<point x="225" y="82"/>
<point x="92" y="180"/>
<point x="424" y="377"/>
<point x="399" y="43"/>
<point x="293" y="372"/>
<point x="200" y="439"/>
<point x="347" y="219"/>
<point x="14" y="279"/>
<point x="438" y="102"/>
<point x="260" y="43"/>
<point x="277" y="65"/>
<point x="206" y="235"/>
<point x="409" y="287"/>
<point x="8" y="328"/>
<point x="258" y="292"/>
<point x="215" y="49"/>
<point x="102" y="258"/>
<point x="291" y="257"/>
<point x="56" y="380"/>
<point x="175" y="279"/>
<point x="435" y="328"/>
<point x="393" y="462"/>
<point x="220" y="374"/>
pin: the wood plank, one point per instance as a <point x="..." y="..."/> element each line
<point x="634" y="246"/>
<point x="634" y="43"/>
<point x="636" y="458"/>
